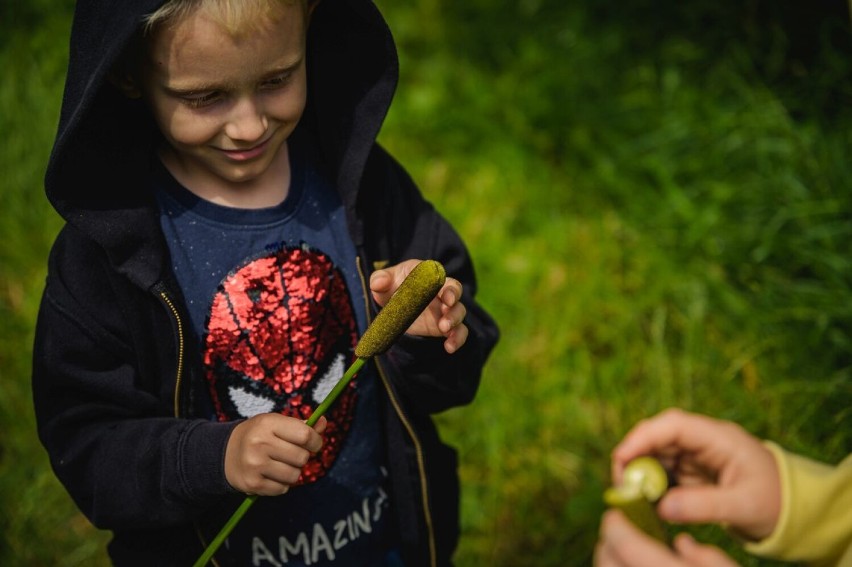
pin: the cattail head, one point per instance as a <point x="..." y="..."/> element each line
<point x="409" y="300"/>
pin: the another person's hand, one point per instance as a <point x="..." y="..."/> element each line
<point x="265" y="454"/>
<point x="444" y="317"/>
<point x="724" y="475"/>
<point x="621" y="544"/>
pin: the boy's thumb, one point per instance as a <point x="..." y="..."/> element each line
<point x="698" y="505"/>
<point x="379" y="279"/>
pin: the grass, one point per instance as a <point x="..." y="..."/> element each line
<point x="658" y="205"/>
<point x="40" y="525"/>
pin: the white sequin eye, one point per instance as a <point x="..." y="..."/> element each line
<point x="249" y="404"/>
<point x="331" y="377"/>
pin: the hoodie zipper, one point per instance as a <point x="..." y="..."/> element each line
<point x="167" y="300"/>
<point x="424" y="487"/>
<point x="181" y="354"/>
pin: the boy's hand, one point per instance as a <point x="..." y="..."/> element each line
<point x="442" y="318"/>
<point x="266" y="453"/>
<point x="724" y="474"/>
<point x="623" y="545"/>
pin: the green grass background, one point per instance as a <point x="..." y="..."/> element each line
<point x="658" y="199"/>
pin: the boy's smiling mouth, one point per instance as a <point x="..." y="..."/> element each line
<point x="248" y="153"/>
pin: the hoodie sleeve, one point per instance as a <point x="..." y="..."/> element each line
<point x="111" y="436"/>
<point x="397" y="215"/>
<point x="815" y="525"/>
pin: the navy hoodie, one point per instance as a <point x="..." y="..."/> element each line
<point x="114" y="370"/>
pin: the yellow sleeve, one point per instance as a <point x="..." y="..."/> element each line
<point x="815" y="525"/>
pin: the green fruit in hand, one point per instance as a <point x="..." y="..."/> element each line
<point x="643" y="484"/>
<point x="648" y="475"/>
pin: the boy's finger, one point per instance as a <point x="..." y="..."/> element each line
<point x="676" y="429"/>
<point x="456" y="339"/>
<point x="603" y="556"/>
<point x="452" y="291"/>
<point x="698" y="504"/>
<point x="630" y="546"/>
<point x="282" y="474"/>
<point x="380" y="280"/>
<point x="701" y="555"/>
<point x="710" y="504"/>
<point x="321" y="424"/>
<point x="452" y="318"/>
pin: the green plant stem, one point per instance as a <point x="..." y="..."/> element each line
<point x="225" y="531"/>
<point x="336" y="391"/>
<point x="311" y="421"/>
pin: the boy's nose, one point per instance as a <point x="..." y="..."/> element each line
<point x="247" y="122"/>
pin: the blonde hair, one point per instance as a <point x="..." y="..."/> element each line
<point x="235" y="16"/>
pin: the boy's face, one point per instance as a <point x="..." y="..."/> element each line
<point x="225" y="104"/>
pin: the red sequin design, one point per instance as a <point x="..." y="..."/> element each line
<point x="281" y="331"/>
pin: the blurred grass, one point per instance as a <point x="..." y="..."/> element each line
<point x="657" y="199"/>
<point x="39" y="524"/>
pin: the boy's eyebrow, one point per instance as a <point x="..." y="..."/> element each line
<point x="181" y="90"/>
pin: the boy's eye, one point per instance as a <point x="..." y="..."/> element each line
<point x="277" y="81"/>
<point x="199" y="100"/>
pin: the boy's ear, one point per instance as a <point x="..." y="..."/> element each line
<point x="126" y="84"/>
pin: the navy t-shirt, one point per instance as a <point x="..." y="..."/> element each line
<point x="277" y="304"/>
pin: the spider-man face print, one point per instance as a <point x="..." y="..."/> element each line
<point x="280" y="334"/>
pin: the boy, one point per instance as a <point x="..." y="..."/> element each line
<point x="224" y="195"/>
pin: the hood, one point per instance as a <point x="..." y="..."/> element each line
<point x="96" y="175"/>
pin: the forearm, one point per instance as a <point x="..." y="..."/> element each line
<point x="116" y="446"/>
<point x="144" y="473"/>
<point x="815" y="525"/>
